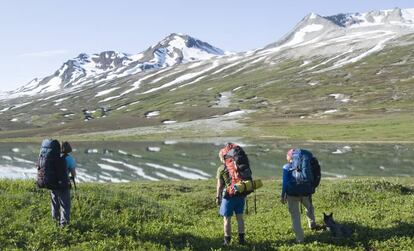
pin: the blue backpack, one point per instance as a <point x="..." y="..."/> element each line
<point x="52" y="172"/>
<point x="304" y="172"/>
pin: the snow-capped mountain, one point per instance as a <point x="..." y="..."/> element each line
<point x="173" y="50"/>
<point x="75" y="70"/>
<point x="395" y="16"/>
<point x="335" y="59"/>
<point x="307" y="30"/>
<point x="178" y="48"/>
<point x="345" y="32"/>
<point x="341" y="39"/>
<point x="313" y="35"/>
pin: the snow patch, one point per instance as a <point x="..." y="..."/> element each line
<point x="299" y="36"/>
<point x="153" y="149"/>
<point x="330" y="111"/>
<point x="7" y="158"/>
<point x="138" y="170"/>
<point x="24" y="161"/>
<point x="109" y="168"/>
<point x="13" y="172"/>
<point x="170" y="142"/>
<point x="235" y="113"/>
<point x="305" y="62"/>
<point x="92" y="151"/>
<point x="194" y="170"/>
<point x="105" y="92"/>
<point x="169" y="122"/>
<point x="343" y="150"/>
<point x="181" y="173"/>
<point x="224" y="100"/>
<point x="122" y="152"/>
<point x="163" y="176"/>
<point x="340" y="97"/>
<point x="152" y="114"/>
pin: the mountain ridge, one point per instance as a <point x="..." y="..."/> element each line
<point x="178" y="48"/>
<point x="319" y="71"/>
<point x="172" y="50"/>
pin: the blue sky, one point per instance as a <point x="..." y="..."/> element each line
<point x="38" y="36"/>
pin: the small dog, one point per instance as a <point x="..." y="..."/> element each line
<point x="337" y="230"/>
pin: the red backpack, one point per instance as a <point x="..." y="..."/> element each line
<point x="237" y="165"/>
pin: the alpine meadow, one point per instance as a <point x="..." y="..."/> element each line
<point x="147" y="128"/>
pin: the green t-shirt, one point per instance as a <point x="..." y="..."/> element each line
<point x="223" y="174"/>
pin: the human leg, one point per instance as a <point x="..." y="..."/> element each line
<point x="240" y="223"/>
<point x="310" y="211"/>
<point x="55" y="206"/>
<point x="227" y="229"/>
<point x="64" y="201"/>
<point x="239" y="209"/>
<point x="293" y="206"/>
<point x="226" y="210"/>
<point x="240" y="228"/>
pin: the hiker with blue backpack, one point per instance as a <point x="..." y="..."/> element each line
<point x="301" y="176"/>
<point x="61" y="203"/>
<point x="53" y="167"/>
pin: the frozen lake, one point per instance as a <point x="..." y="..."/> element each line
<point x="129" y="161"/>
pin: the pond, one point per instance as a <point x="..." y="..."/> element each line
<point x="129" y="161"/>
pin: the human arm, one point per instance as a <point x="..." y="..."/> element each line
<point x="71" y="164"/>
<point x="285" y="175"/>
<point x="219" y="189"/>
<point x="73" y="173"/>
<point x="219" y="186"/>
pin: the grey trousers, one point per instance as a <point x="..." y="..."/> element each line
<point x="61" y="206"/>
<point x="294" y="210"/>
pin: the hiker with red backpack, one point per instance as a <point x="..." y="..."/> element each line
<point x="301" y="176"/>
<point x="232" y="190"/>
<point x="53" y="166"/>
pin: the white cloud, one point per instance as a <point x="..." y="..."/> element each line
<point x="49" y="53"/>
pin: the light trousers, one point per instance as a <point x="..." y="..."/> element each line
<point x="294" y="210"/>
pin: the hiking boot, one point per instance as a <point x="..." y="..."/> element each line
<point x="227" y="240"/>
<point x="242" y="241"/>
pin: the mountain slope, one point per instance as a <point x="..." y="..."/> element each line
<point x="325" y="69"/>
<point x="175" y="49"/>
<point x="395" y="16"/>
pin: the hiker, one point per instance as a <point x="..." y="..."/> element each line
<point x="298" y="186"/>
<point x="229" y="203"/>
<point x="61" y="197"/>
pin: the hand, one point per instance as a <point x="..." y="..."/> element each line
<point x="218" y="201"/>
<point x="283" y="199"/>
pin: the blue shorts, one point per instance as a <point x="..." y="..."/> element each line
<point x="233" y="204"/>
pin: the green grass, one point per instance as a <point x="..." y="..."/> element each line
<point x="182" y="216"/>
<point x="381" y="128"/>
<point x="378" y="128"/>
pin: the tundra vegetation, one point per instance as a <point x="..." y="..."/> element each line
<point x="182" y="215"/>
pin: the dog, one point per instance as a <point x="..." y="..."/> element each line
<point x="336" y="229"/>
